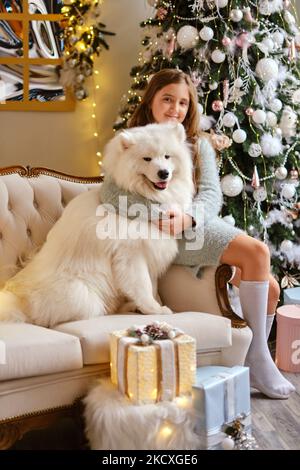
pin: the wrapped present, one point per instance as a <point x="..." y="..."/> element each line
<point x="151" y="369"/>
<point x="292" y="296"/>
<point x="220" y="396"/>
<point x="287" y="338"/>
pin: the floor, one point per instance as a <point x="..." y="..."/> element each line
<point x="276" y="423"/>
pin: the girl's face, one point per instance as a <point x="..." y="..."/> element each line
<point x="171" y="103"/>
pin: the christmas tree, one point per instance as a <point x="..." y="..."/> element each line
<point x="243" y="58"/>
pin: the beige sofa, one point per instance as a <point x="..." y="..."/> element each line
<point x="46" y="371"/>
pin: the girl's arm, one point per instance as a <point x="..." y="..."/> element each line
<point x="209" y="193"/>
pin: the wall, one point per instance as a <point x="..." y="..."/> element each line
<point x="65" y="141"/>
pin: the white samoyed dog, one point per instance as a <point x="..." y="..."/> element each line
<point x="79" y="272"/>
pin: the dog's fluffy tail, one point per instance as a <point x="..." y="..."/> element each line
<point x="10" y="308"/>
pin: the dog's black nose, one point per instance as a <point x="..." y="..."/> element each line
<point x="163" y="174"/>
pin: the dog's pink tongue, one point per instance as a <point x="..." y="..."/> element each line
<point x="161" y="184"/>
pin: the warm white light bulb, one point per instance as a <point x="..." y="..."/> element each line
<point x="166" y="431"/>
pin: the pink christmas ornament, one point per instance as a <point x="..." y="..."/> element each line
<point x="292" y="50"/>
<point x="170" y="47"/>
<point x="248" y="16"/>
<point x="249" y="111"/>
<point x="161" y="13"/>
<point x="225" y="91"/>
<point x="226" y="41"/>
<point x="196" y="79"/>
<point x="294" y="174"/>
<point x="255" y="183"/>
<point x="241" y="39"/>
<point x="244" y="41"/>
<point x="217" y="105"/>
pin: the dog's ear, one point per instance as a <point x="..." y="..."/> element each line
<point x="180" y="132"/>
<point x="126" y="139"/>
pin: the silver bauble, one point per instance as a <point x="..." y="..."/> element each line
<point x="260" y="194"/>
<point x="231" y="185"/>
<point x="281" y="173"/>
<point x="288" y="191"/>
<point x="254" y="150"/>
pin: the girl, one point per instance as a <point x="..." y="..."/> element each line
<point x="171" y="96"/>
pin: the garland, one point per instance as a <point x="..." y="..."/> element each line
<point x="84" y="38"/>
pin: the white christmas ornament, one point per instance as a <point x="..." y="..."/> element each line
<point x="229" y="219"/>
<point x="236" y="15"/>
<point x="239" y="136"/>
<point x="260" y="194"/>
<point x="200" y="108"/>
<point x="271" y="145"/>
<point x="275" y="105"/>
<point x="218" y="56"/>
<point x="227" y="443"/>
<point x="271" y="119"/>
<point x="259" y="116"/>
<point x="268" y="7"/>
<point x="229" y="120"/>
<point x="221" y="3"/>
<point x="254" y="150"/>
<point x="286" y="245"/>
<point x="296" y="97"/>
<point x="269" y="44"/>
<point x="266" y="69"/>
<point x="281" y="173"/>
<point x="238" y="82"/>
<point x="231" y="185"/>
<point x="288" y="123"/>
<point x="187" y="37"/>
<point x="206" y="122"/>
<point x="206" y="33"/>
<point x="213" y="85"/>
<point x="288" y="191"/>
<point x="289" y="18"/>
<point x="278" y="38"/>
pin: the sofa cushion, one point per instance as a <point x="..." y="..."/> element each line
<point x="212" y="332"/>
<point x="32" y="350"/>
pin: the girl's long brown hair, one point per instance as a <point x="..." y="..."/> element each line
<point x="143" y="113"/>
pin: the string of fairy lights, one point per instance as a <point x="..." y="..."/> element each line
<point x="84" y="39"/>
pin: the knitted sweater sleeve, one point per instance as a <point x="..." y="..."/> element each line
<point x="209" y="194"/>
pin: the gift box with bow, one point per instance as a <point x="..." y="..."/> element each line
<point x="292" y="296"/>
<point x="153" y="368"/>
<point x="220" y="395"/>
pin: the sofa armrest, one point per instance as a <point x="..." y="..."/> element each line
<point x="182" y="291"/>
<point x="222" y="277"/>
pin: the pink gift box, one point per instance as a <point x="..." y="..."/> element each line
<point x="288" y="338"/>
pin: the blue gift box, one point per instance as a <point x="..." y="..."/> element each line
<point x="219" y="396"/>
<point x="291" y="296"/>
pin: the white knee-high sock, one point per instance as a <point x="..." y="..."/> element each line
<point x="269" y="323"/>
<point x="264" y="375"/>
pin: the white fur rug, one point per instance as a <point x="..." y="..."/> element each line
<point x="114" y="423"/>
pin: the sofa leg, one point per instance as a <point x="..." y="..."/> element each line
<point x="13" y="429"/>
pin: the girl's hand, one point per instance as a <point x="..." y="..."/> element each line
<point x="174" y="222"/>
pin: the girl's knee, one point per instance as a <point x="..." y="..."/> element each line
<point x="257" y="252"/>
<point x="274" y="289"/>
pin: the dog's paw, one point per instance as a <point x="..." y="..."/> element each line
<point x="165" y="311"/>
